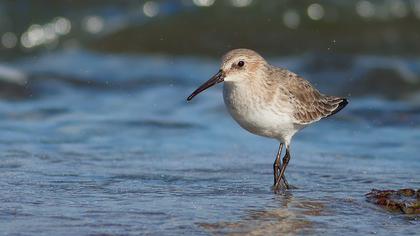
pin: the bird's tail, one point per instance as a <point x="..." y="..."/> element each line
<point x="337" y="101"/>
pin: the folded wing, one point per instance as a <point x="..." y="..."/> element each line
<point x="309" y="104"/>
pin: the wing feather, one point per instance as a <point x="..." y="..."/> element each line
<point x="308" y="103"/>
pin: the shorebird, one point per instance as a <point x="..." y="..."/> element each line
<point x="270" y="101"/>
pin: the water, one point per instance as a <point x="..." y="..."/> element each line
<point x="98" y="139"/>
<point x="106" y="144"/>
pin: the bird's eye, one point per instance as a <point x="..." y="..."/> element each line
<point x="241" y="63"/>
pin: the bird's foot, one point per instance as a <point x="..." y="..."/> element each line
<point x="278" y="188"/>
<point x="281" y="184"/>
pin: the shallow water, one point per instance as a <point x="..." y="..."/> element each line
<point x="101" y="144"/>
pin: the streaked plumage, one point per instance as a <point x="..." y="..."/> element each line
<point x="270" y="101"/>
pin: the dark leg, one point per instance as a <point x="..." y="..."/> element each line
<point x="286" y="160"/>
<point x="277" y="165"/>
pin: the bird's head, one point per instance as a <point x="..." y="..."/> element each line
<point x="238" y="65"/>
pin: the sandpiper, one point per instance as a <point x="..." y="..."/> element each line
<point x="270" y="101"/>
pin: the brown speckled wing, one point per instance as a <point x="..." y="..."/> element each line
<point x="309" y="104"/>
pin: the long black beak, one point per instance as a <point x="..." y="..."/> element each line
<point x="217" y="78"/>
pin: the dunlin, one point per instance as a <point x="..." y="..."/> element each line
<point x="270" y="101"/>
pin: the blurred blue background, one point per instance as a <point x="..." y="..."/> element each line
<point x="97" y="138"/>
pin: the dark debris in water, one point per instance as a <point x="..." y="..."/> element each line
<point x="404" y="200"/>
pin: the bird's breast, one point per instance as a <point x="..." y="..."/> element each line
<point x="254" y="114"/>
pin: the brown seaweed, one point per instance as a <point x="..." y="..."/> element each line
<point x="406" y="200"/>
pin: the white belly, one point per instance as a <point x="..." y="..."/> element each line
<point x="256" y="116"/>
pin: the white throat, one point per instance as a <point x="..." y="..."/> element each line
<point x="234" y="78"/>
